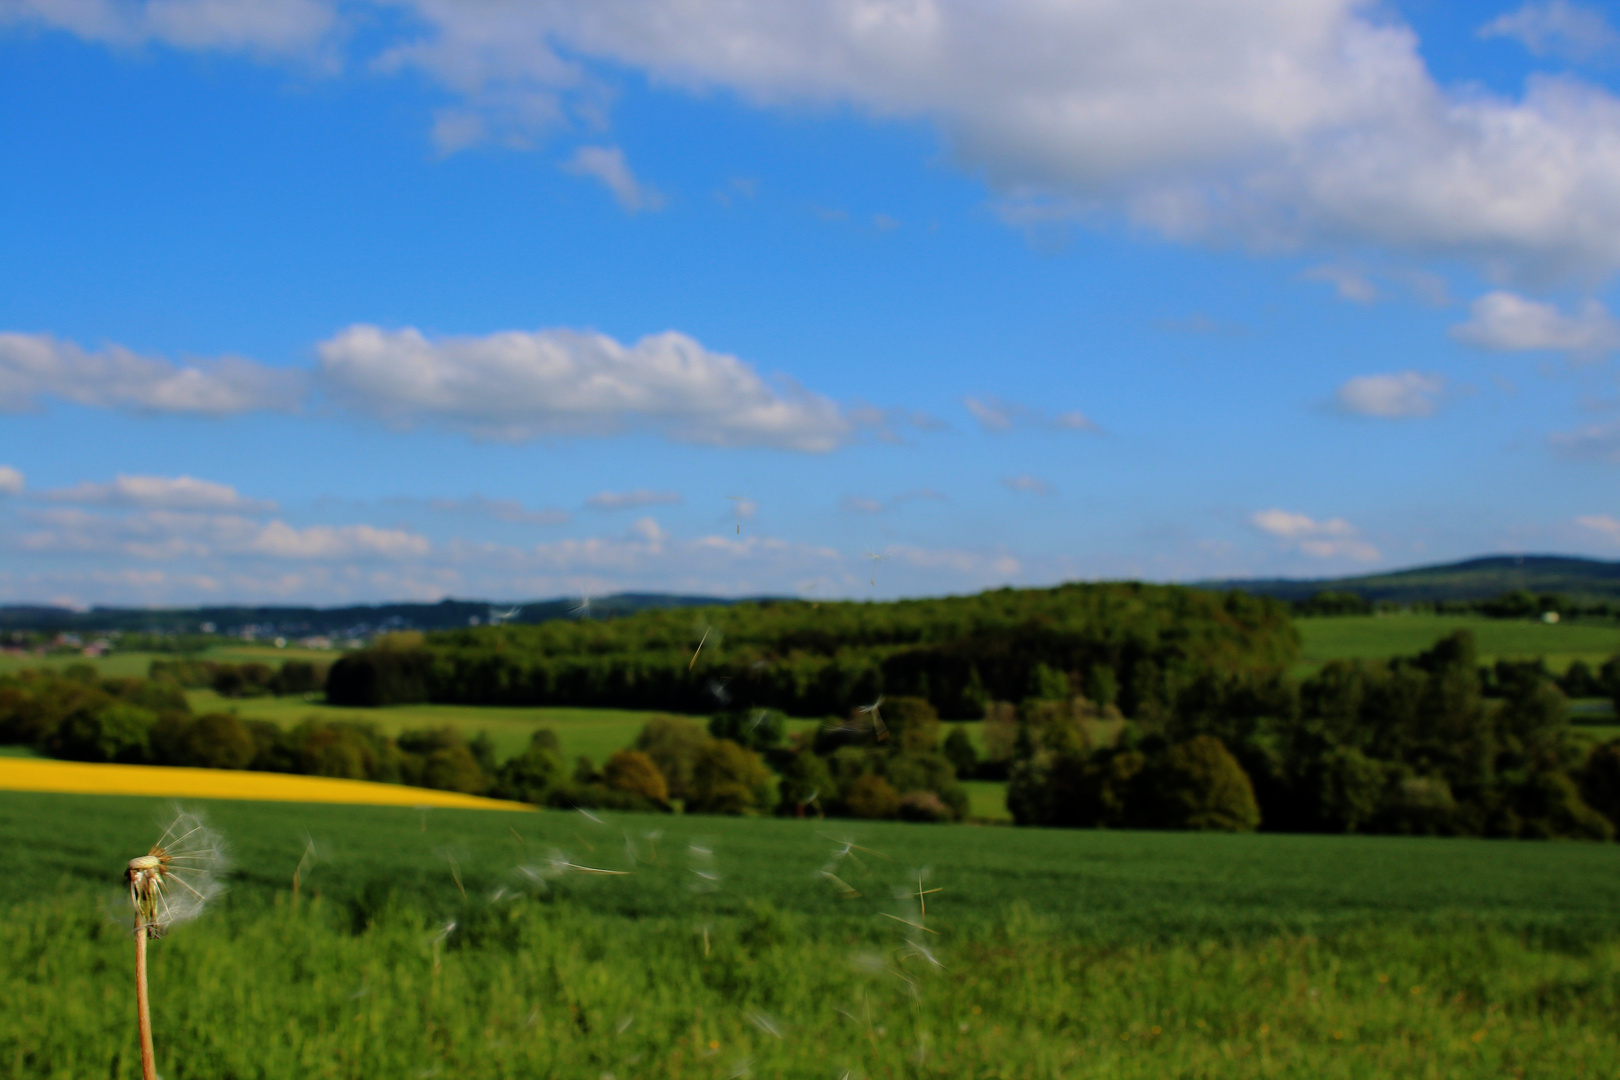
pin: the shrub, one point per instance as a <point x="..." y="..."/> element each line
<point x="1600" y="780"/>
<point x="913" y="723"/>
<point x="453" y="768"/>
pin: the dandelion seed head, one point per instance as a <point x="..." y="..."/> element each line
<point x="176" y="879"/>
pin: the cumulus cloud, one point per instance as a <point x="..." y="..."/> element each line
<point x="1401" y="395"/>
<point x="1331" y="539"/>
<point x="1605" y="525"/>
<point x="159" y="493"/>
<point x="607" y="164"/>
<point x="172" y="534"/>
<point x="1279" y="124"/>
<point x="621" y="500"/>
<point x="519" y="385"/>
<point x="1506" y="322"/>
<point x="996" y="416"/>
<point x="11" y="481"/>
<point x="1557" y="28"/>
<point x="37" y="366"/>
<point x="1594" y="442"/>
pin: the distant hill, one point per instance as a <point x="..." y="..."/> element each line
<point x="356" y="621"/>
<point x="1584" y="580"/>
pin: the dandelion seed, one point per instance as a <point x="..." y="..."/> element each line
<point x="701" y="640"/>
<point x="305" y="860"/>
<point x="878" y="727"/>
<point x="624" y="1023"/>
<point x="876" y="558"/>
<point x="845" y="890"/>
<point x="764" y="1023"/>
<point x="582" y="609"/>
<point x="908" y="922"/>
<point x="742" y="1068"/>
<point x="170" y="884"/>
<point x="590" y="816"/>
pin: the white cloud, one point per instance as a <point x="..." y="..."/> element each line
<point x="1034" y="485"/>
<point x="284" y="27"/>
<point x="1402" y="394"/>
<point x="1506" y="322"/>
<point x="159" y="493"/>
<point x="35" y="366"/>
<point x="621" y="500"/>
<point x="1278" y="124"/>
<point x="857" y="504"/>
<point x="607" y="164"/>
<point x="171" y="534"/>
<point x="1331" y="539"/>
<point x="1351" y="283"/>
<point x="11" y="481"/>
<point x="518" y="385"/>
<point x="1605" y="525"/>
<point x="996" y="416"/>
<point x="1594" y="442"/>
<point x="1557" y="28"/>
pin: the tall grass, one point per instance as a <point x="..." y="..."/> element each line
<point x="527" y="989"/>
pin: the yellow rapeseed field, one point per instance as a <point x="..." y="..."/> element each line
<point x="81" y="778"/>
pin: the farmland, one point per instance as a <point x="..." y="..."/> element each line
<point x="1057" y="953"/>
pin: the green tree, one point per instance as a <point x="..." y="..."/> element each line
<point x="961" y="752"/>
<point x="806" y="786"/>
<point x="673" y="743"/>
<point x="1198" y="784"/>
<point x="535" y="775"/>
<point x="217" y="741"/>
<point x="634" y="774"/>
<point x="871" y="796"/>
<point x="728" y="779"/>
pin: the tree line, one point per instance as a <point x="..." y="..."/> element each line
<point x="1129" y="644"/>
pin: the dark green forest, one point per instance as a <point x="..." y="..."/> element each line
<point x="1129" y="645"/>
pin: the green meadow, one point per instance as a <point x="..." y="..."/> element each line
<point x="419" y="947"/>
<point x="1380" y="636"/>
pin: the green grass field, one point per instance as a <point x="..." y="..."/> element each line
<point x="1381" y="636"/>
<point x="1053" y="953"/>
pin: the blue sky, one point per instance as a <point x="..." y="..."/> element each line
<point x="312" y="301"/>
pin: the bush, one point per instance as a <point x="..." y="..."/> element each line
<point x="913" y="723"/>
<point x="1600" y="780"/>
<point x="728" y="779"/>
<point x="1198" y="784"/>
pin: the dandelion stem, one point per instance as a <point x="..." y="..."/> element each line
<point x="142" y="1012"/>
